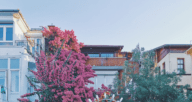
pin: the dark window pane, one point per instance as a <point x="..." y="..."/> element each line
<point x="1" y="33"/>
<point x="9" y="34"/>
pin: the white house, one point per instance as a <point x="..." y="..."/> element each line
<point x="14" y="59"/>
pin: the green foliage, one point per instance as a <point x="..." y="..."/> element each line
<point x="151" y="85"/>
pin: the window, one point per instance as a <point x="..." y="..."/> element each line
<point x="14" y="64"/>
<point x="99" y="81"/>
<point x="6" y="34"/>
<point x="93" y="55"/>
<point x="33" y="50"/>
<point x="180" y="64"/>
<point x="1" y="34"/>
<point x="38" y="45"/>
<point x="3" y="63"/>
<point x="2" y="78"/>
<point x="92" y="85"/>
<point x="159" y="68"/>
<point x="14" y="69"/>
<point x="9" y="34"/>
<point x="164" y="68"/>
<point x="103" y="77"/>
<point x="106" y="55"/>
<point x="14" y="81"/>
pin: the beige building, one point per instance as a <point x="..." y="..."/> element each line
<point x="172" y="57"/>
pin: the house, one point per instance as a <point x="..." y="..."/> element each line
<point x="14" y="59"/>
<point x="172" y="58"/>
<point x="107" y="61"/>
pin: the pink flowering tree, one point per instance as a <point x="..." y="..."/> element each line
<point x="62" y="74"/>
<point x="54" y="37"/>
<point x="63" y="78"/>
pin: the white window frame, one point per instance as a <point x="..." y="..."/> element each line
<point x="4" y="32"/>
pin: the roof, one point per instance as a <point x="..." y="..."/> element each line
<point x="9" y="10"/>
<point x="189" y="51"/>
<point x="17" y="12"/>
<point x="112" y="46"/>
<point x="171" y="45"/>
<point x="101" y="48"/>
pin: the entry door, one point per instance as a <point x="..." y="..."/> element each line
<point x="3" y="82"/>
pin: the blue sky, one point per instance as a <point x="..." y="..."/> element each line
<point x="150" y="23"/>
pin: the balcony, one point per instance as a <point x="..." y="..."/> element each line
<point x="111" y="61"/>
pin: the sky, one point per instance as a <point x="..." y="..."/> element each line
<point x="149" y="23"/>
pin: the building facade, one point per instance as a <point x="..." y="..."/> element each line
<point x="172" y="58"/>
<point x="107" y="61"/>
<point x="14" y="59"/>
